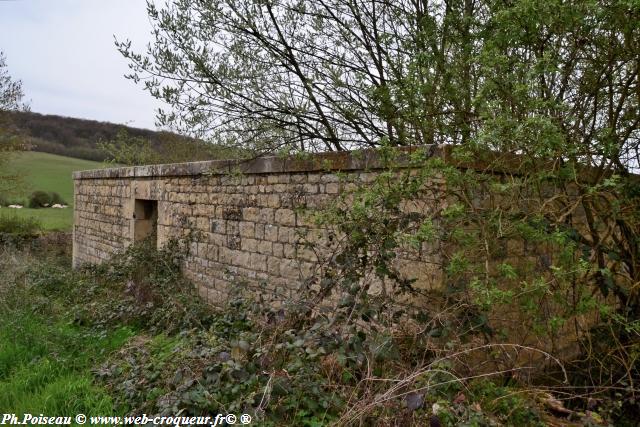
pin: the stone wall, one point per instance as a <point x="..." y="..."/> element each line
<point x="249" y="221"/>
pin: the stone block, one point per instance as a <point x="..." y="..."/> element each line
<point x="289" y="251"/>
<point x="264" y="247"/>
<point x="258" y="262"/>
<point x="273" y="265"/>
<point x="332" y="188"/>
<point x="251" y="214"/>
<point x="234" y="241"/>
<point x="289" y="268"/>
<point x="267" y="215"/>
<point x="280" y="188"/>
<point x="310" y="188"/>
<point x="326" y="178"/>
<point x="212" y="252"/>
<point x="218" y="226"/>
<point x="272" y="201"/>
<point x="202" y="223"/>
<point x="249" y="245"/>
<point x="277" y="179"/>
<point x="313" y="178"/>
<point x="271" y="232"/>
<point x="298" y="178"/>
<point x="286" y="235"/>
<point x="259" y="231"/>
<point x="285" y="217"/>
<point x="247" y="229"/>
<point x="278" y="250"/>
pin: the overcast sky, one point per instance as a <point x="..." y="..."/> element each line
<point x="63" y="51"/>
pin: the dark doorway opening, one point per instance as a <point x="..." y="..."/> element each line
<point x="145" y="220"/>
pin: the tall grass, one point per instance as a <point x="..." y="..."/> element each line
<point x="11" y="223"/>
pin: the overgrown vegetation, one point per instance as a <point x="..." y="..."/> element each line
<point x="538" y="289"/>
<point x="12" y="224"/>
<point x="45" y="360"/>
<point x="131" y="336"/>
<point x="537" y="104"/>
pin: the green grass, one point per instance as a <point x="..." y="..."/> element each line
<point x="46" y="360"/>
<point x="49" y="219"/>
<point x="50" y="172"/>
<point x="47" y="172"/>
<point x="46" y="367"/>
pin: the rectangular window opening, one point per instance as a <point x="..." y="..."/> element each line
<point x="145" y="219"/>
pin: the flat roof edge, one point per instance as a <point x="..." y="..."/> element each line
<point x="332" y="161"/>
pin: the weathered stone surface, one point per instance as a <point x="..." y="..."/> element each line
<point x="252" y="228"/>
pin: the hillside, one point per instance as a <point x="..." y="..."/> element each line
<point x="47" y="172"/>
<point x="50" y="172"/>
<point x="79" y="138"/>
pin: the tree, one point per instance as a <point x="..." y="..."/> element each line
<point x="336" y="74"/>
<point x="11" y="96"/>
<point x="554" y="82"/>
<point x="545" y="92"/>
<point x="311" y="75"/>
<point x="11" y="93"/>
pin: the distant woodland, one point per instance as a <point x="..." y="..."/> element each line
<point x="82" y="139"/>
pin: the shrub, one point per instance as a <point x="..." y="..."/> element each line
<point x="43" y="199"/>
<point x="153" y="294"/>
<point x="39" y="199"/>
<point x="6" y="200"/>
<point x="56" y="198"/>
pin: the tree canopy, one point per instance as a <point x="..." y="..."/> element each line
<point x="547" y="92"/>
<point x="323" y="75"/>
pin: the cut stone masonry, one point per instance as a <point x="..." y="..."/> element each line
<point x="246" y="218"/>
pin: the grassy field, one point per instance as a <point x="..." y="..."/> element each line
<point x="47" y="172"/>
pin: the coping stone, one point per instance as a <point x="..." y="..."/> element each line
<point x="331" y="162"/>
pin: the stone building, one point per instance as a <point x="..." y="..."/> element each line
<point x="248" y="220"/>
<point x="249" y="226"/>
